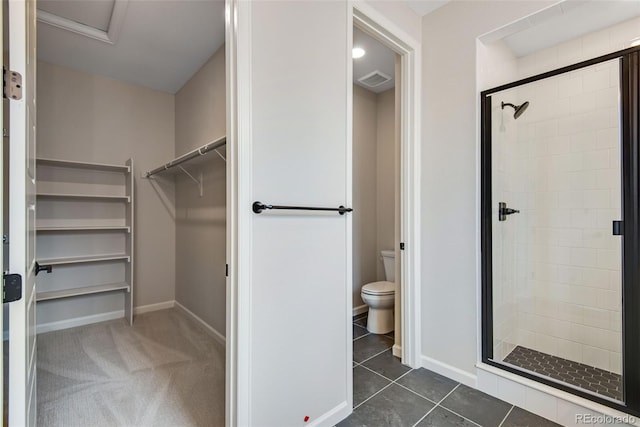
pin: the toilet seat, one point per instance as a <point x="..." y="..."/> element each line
<point x="379" y="288"/>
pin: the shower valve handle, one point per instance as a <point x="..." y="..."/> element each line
<point x="503" y="211"/>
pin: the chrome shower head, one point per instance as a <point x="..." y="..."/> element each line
<point x="519" y="109"/>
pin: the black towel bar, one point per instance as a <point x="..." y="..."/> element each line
<point x="258" y="207"/>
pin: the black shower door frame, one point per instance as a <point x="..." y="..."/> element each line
<point x="630" y="176"/>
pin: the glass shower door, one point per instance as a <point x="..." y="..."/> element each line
<point x="556" y="254"/>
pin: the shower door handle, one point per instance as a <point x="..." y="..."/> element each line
<point x="503" y="211"/>
<point x="618" y="228"/>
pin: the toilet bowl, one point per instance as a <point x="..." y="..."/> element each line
<point x="380" y="297"/>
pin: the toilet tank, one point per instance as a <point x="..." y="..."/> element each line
<point x="389" y="261"/>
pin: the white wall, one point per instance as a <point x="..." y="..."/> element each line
<point x="450" y="214"/>
<point x="405" y="19"/>
<point x="592" y="45"/>
<point x="86" y="117"/>
<point x="201" y="221"/>
<point x="452" y="80"/>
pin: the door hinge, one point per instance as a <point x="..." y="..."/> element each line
<point x="11" y="287"/>
<point x="226" y="270"/>
<point x="11" y="84"/>
<point x="402" y="246"/>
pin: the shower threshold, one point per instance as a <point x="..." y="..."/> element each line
<point x="587" y="377"/>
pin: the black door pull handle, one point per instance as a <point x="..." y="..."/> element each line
<point x="503" y="211"/>
<point x="47" y="268"/>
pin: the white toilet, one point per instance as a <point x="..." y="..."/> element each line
<point x="380" y="297"/>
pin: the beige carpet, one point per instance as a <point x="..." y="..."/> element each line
<point x="164" y="371"/>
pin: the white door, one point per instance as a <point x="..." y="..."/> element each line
<point x="22" y="139"/>
<point x="294" y="348"/>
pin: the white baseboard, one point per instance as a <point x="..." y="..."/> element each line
<point x="78" y="321"/>
<point x="397" y="350"/>
<point x="332" y="417"/>
<point x="97" y="318"/>
<point x="214" y="333"/>
<point x="153" y="307"/>
<point x="557" y="405"/>
<point x="449" y="371"/>
<point x="360" y="309"/>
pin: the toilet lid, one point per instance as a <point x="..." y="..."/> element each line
<point x="379" y="288"/>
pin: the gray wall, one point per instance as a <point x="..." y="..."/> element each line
<point x="364" y="190"/>
<point x="385" y="175"/>
<point x="373" y="184"/>
<point x="87" y="117"/>
<point x="201" y="221"/>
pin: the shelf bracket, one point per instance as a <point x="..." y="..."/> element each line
<point x="197" y="181"/>
<point x="220" y="154"/>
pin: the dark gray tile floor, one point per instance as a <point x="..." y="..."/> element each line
<point x="593" y="379"/>
<point x="387" y="393"/>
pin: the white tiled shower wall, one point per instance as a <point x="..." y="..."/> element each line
<point x="567" y="264"/>
<point x="504" y="239"/>
<point x="567" y="260"/>
<point x="502" y="67"/>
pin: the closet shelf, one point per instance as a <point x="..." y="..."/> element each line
<point x="83" y="196"/>
<point x="87" y="290"/>
<point x="85" y="228"/>
<point x="84" y="259"/>
<point x="82" y="165"/>
<point x="211" y="146"/>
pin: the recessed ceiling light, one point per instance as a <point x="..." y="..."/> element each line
<point x="358" y="52"/>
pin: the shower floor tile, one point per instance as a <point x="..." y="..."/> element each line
<point x="584" y="376"/>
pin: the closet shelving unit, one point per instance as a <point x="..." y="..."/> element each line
<point x="85" y="219"/>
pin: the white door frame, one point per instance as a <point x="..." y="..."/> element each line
<point x="22" y="343"/>
<point x="2" y="270"/>
<point x="231" y="362"/>
<point x="234" y="214"/>
<point x="238" y="33"/>
<point x="372" y="22"/>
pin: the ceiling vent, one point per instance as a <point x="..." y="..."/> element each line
<point x="374" y="79"/>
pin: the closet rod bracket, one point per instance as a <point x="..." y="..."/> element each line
<point x="220" y="154"/>
<point x="197" y="181"/>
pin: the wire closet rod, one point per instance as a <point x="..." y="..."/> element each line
<point x="258" y="207"/>
<point x="213" y="145"/>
